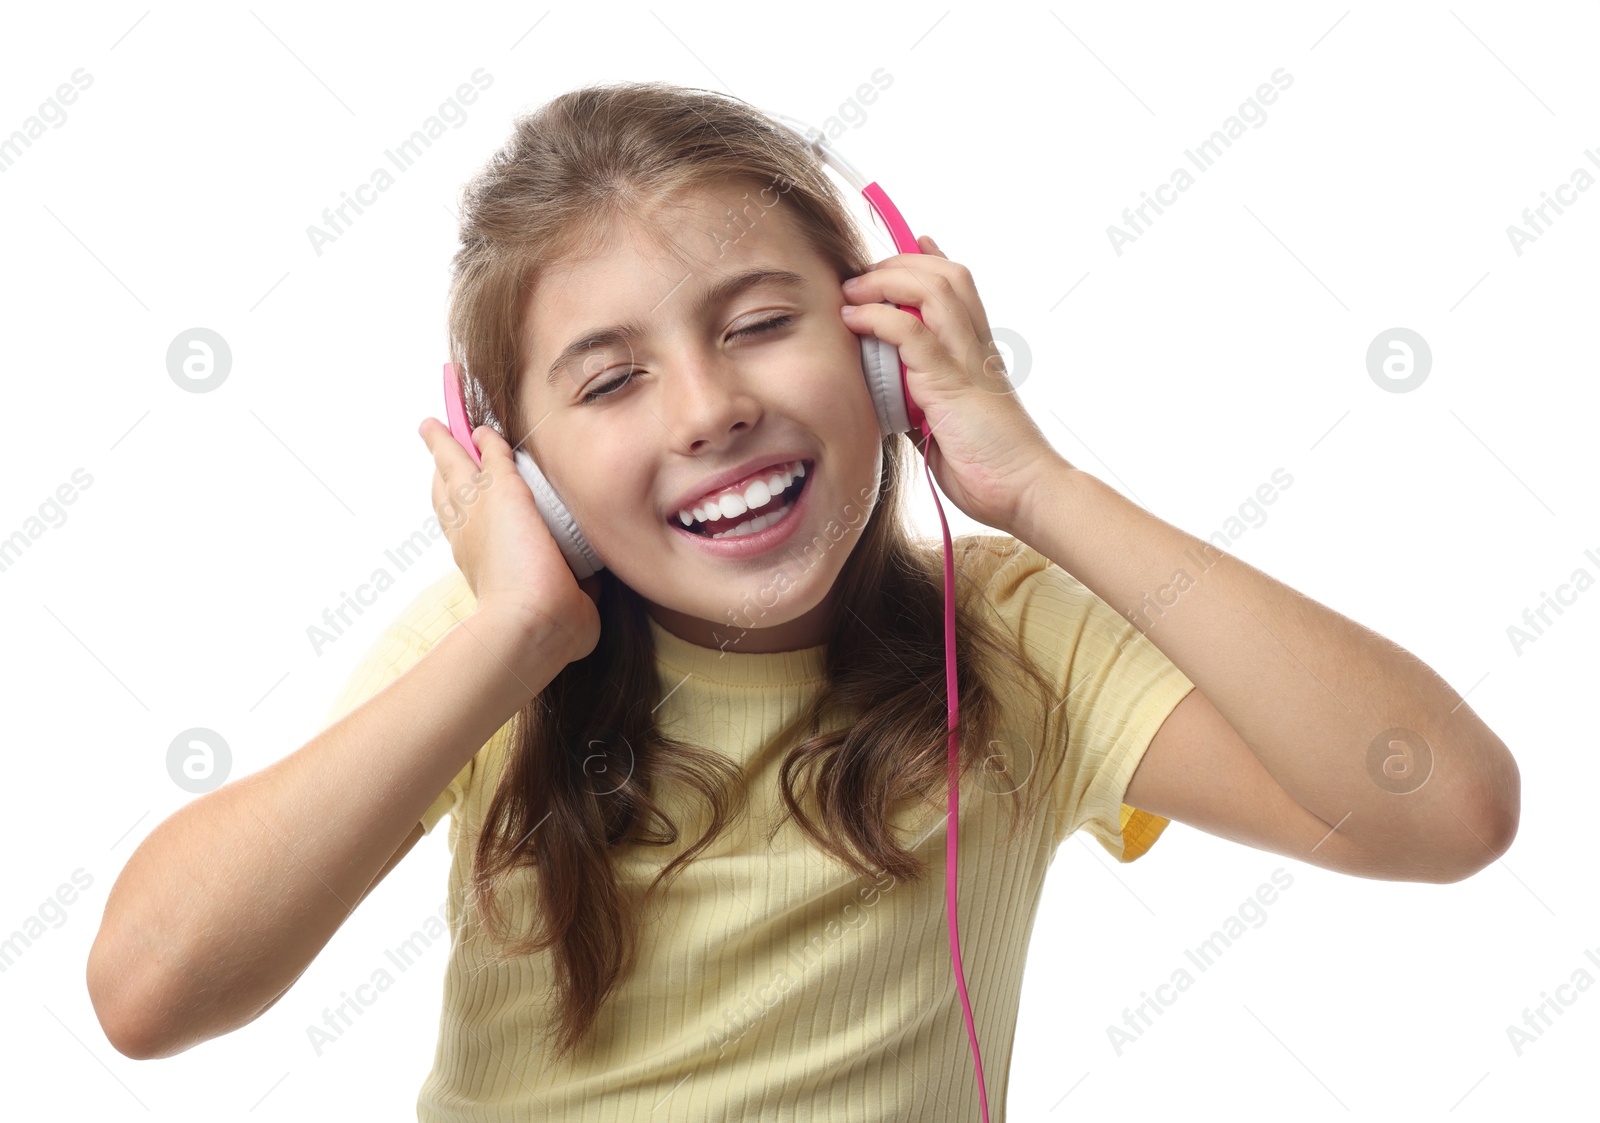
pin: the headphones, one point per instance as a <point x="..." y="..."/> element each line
<point x="897" y="413"/>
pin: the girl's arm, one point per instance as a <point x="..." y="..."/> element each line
<point x="1362" y="735"/>
<point x="1303" y="723"/>
<point x="229" y="899"/>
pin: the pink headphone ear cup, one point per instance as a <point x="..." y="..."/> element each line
<point x="581" y="557"/>
<point x="880" y="364"/>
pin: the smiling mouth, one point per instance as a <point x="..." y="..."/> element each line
<point x="721" y="526"/>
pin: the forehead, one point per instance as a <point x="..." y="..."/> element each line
<point x="651" y="271"/>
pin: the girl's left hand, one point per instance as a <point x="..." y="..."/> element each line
<point x="984" y="449"/>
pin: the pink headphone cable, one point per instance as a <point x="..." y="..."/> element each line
<point x="951" y="842"/>
<point x="906" y="243"/>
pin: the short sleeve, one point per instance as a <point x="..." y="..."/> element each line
<point x="1118" y="689"/>
<point x="401" y="646"/>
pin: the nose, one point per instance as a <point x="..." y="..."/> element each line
<point x="707" y="400"/>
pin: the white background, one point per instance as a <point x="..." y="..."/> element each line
<point x="1227" y="342"/>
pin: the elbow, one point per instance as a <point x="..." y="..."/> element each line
<point x="130" y="1031"/>
<point x="119" y="1028"/>
<point x="1493" y="824"/>
<point x="133" y="1047"/>
<point x="1500" y="810"/>
<point x="1507" y="817"/>
<point x="121" y="1015"/>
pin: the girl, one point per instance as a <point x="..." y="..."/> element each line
<point x="693" y="867"/>
<point x="695" y="800"/>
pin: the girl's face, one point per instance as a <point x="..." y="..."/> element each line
<point x="630" y="429"/>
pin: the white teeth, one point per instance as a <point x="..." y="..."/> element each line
<point x="755" y="524"/>
<point x="756" y="494"/>
<point x="732" y="504"/>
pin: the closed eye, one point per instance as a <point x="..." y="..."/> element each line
<point x="618" y="383"/>
<point x="766" y="325"/>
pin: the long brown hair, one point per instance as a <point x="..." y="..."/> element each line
<point x="874" y="734"/>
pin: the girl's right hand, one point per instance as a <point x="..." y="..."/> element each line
<point x="502" y="545"/>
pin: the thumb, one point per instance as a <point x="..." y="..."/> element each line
<point x="490" y="442"/>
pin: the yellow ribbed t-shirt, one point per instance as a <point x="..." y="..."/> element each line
<point x="776" y="984"/>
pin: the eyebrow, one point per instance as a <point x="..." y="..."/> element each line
<point x="724" y="290"/>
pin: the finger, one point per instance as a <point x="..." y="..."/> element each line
<point x="499" y="458"/>
<point x="935" y="264"/>
<point x="457" y="481"/>
<point x="919" y="345"/>
<point x="933" y="261"/>
<point x="936" y="296"/>
<point x="489" y="441"/>
<point x="444" y="507"/>
<point x="448" y="453"/>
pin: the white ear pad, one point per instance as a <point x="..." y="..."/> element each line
<point x="580" y="556"/>
<point x="880" y="364"/>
